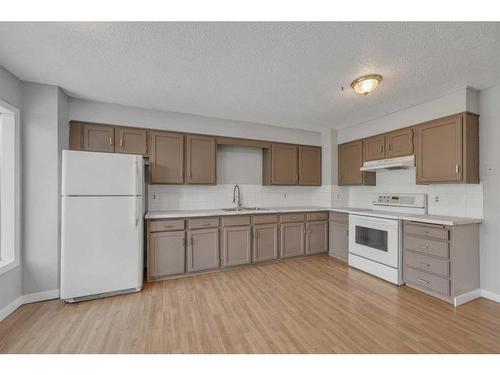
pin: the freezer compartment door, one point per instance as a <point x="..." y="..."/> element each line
<point x="101" y="245"/>
<point x="99" y="173"/>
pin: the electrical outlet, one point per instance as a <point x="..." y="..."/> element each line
<point x="436" y="198"/>
<point x="284" y="195"/>
<point x="155" y="196"/>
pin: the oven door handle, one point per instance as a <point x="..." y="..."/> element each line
<point x="367" y="219"/>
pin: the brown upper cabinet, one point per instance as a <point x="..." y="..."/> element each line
<point x="201" y="159"/>
<point x="390" y="145"/>
<point x="286" y="164"/>
<point x="399" y="143"/>
<point x="350" y="161"/>
<point x="98" y="138"/>
<point x="309" y="165"/>
<point x="178" y="158"/>
<point x="374" y="148"/>
<point x="130" y="141"/>
<point x="448" y="150"/>
<point x="166" y="158"/>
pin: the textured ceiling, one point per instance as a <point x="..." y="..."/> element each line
<point x="286" y="74"/>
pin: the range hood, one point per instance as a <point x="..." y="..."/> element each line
<point x="403" y="162"/>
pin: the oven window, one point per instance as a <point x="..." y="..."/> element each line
<point x="370" y="237"/>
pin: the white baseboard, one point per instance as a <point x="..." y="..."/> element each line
<point x="466" y="297"/>
<point x="490" y="295"/>
<point x="10" y="308"/>
<point x="28" y="298"/>
<point x="41" y="296"/>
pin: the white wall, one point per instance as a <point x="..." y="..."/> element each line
<point x="489" y="138"/>
<point x="10" y="281"/>
<point x="85" y="110"/>
<point x="45" y="115"/>
<point x="236" y="165"/>
<point x="459" y="101"/>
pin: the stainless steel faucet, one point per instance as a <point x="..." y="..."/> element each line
<point x="236" y="197"/>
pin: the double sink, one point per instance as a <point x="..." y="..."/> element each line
<point x="244" y="209"/>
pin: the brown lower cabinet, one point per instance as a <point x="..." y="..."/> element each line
<point x="339" y="235"/>
<point x="168" y="253"/>
<point x="316" y="237"/>
<point x="180" y="246"/>
<point x="236" y="245"/>
<point x="292" y="239"/>
<point x="265" y="242"/>
<point x="203" y="249"/>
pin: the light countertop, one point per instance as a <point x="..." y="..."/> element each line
<point x="221" y="212"/>
<point x="431" y="219"/>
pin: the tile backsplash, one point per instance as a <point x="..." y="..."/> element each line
<point x="444" y="199"/>
<point x="187" y="197"/>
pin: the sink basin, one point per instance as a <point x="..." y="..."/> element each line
<point x="244" y="209"/>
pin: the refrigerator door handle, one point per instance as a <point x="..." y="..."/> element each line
<point x="135" y="213"/>
<point x="136" y="176"/>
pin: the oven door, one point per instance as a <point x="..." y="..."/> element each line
<point x="375" y="238"/>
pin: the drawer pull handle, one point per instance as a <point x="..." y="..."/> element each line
<point x="169" y="226"/>
<point x="422" y="281"/>
<point x="425" y="264"/>
<point x="206" y="224"/>
<point x="424" y="246"/>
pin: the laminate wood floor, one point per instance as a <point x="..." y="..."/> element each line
<point x="307" y="305"/>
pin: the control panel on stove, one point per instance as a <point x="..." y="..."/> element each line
<point x="405" y="200"/>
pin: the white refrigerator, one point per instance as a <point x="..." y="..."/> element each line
<point x="102" y="224"/>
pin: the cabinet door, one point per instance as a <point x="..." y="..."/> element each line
<point x="374" y="148"/>
<point x="265" y="242"/>
<point x="284" y="164"/>
<point x="399" y="143"/>
<point x="236" y="245"/>
<point x="99" y="138"/>
<point x="131" y="141"/>
<point x="309" y="165"/>
<point x="166" y="158"/>
<point x="167" y="255"/>
<point x="201" y="159"/>
<point x="203" y="249"/>
<point x="316" y="237"/>
<point x="339" y="239"/>
<point x="439" y="151"/>
<point x="292" y="239"/>
<point x="350" y="161"/>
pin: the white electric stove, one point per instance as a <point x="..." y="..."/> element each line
<point x="375" y="243"/>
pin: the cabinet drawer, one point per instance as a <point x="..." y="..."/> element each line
<point x="235" y="220"/>
<point x="166" y="225"/>
<point x="427" y="281"/>
<point x="290" y="218"/>
<point x="427" y="231"/>
<point x="316" y="216"/>
<point x="427" y="246"/>
<point x="339" y="216"/>
<point x="206" y="222"/>
<point x="265" y="219"/>
<point x="429" y="264"/>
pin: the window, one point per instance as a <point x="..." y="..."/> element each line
<point x="9" y="187"/>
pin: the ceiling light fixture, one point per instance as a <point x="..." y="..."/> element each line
<point x="366" y="84"/>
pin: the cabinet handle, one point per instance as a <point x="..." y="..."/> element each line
<point x="381" y="148"/>
<point x="422" y="281"/>
<point x="182" y="173"/>
<point x="457" y="168"/>
<point x="110" y="141"/>
<point x="121" y="142"/>
<point x="189" y="173"/>
<point x="425" y="264"/>
<point x="424" y="246"/>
